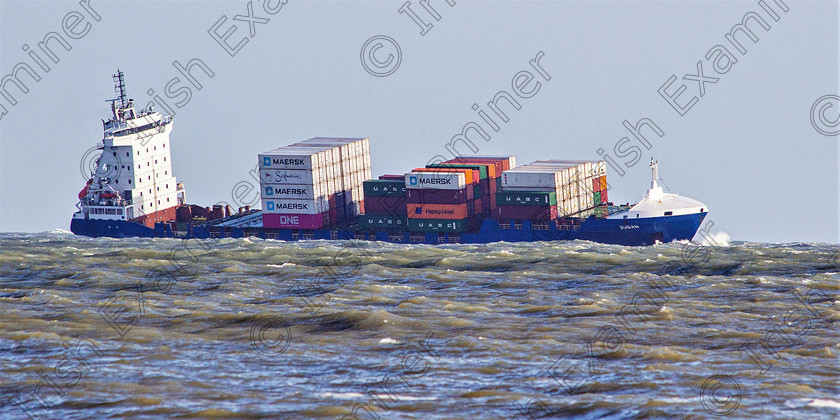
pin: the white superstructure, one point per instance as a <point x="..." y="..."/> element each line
<point x="133" y="179"/>
<point x="657" y="203"/>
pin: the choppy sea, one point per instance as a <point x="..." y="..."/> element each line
<point x="251" y="328"/>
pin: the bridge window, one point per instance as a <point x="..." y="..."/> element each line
<point x="126" y="153"/>
<point x="669" y="213"/>
<point x="129" y="181"/>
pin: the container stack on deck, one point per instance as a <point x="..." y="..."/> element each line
<point x="385" y="203"/>
<point x="591" y="177"/>
<point x="314" y="183"/>
<point x="439" y="199"/>
<point x="545" y="190"/>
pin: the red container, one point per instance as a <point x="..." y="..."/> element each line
<point x="485" y="187"/>
<point x="386" y="205"/>
<point x="604" y="196"/>
<point x="525" y="212"/>
<point x="295" y="221"/>
<point x="498" y="164"/>
<point x="393" y="177"/>
<point x="596" y="185"/>
<point x="333" y="216"/>
<point x="429" y="196"/>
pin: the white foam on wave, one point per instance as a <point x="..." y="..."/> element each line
<point x="719" y="238"/>
<point x="825" y="403"/>
<point x="388" y="340"/>
<point x="341" y="395"/>
<point x="285" y="264"/>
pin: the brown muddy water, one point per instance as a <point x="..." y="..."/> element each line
<point x="248" y="328"/>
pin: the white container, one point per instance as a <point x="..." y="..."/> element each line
<point x="290" y="206"/>
<point x="536" y="177"/>
<point x="295" y="192"/>
<point x="435" y="180"/>
<point x="291" y="158"/>
<point x="291" y="176"/>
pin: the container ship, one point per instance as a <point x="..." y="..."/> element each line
<point x="323" y="188"/>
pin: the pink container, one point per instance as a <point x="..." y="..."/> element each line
<point x="294" y="221"/>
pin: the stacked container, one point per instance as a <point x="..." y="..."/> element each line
<point x="440" y="199"/>
<point x="545" y="190"/>
<point x="385" y="203"/>
<point x="315" y="183"/>
<point x="591" y="179"/>
<point x="491" y="169"/>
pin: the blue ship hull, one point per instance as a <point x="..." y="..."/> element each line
<point x="629" y="232"/>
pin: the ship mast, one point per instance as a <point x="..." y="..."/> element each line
<point x="122" y="97"/>
<point x="654" y="173"/>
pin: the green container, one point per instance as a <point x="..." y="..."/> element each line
<point x="437" y="225"/>
<point x="526" y="198"/>
<point x="380" y="221"/>
<point x="482" y="169"/>
<point x="384" y="188"/>
<point x="598" y="198"/>
<point x="477" y="191"/>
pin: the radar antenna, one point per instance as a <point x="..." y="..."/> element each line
<point x="119" y="88"/>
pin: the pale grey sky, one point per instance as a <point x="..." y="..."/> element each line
<point x="747" y="148"/>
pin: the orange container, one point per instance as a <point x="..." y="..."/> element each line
<point x="437" y="211"/>
<point x="472" y="175"/>
<point x="603" y="180"/>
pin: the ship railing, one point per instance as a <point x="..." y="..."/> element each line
<point x="180" y="233"/>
